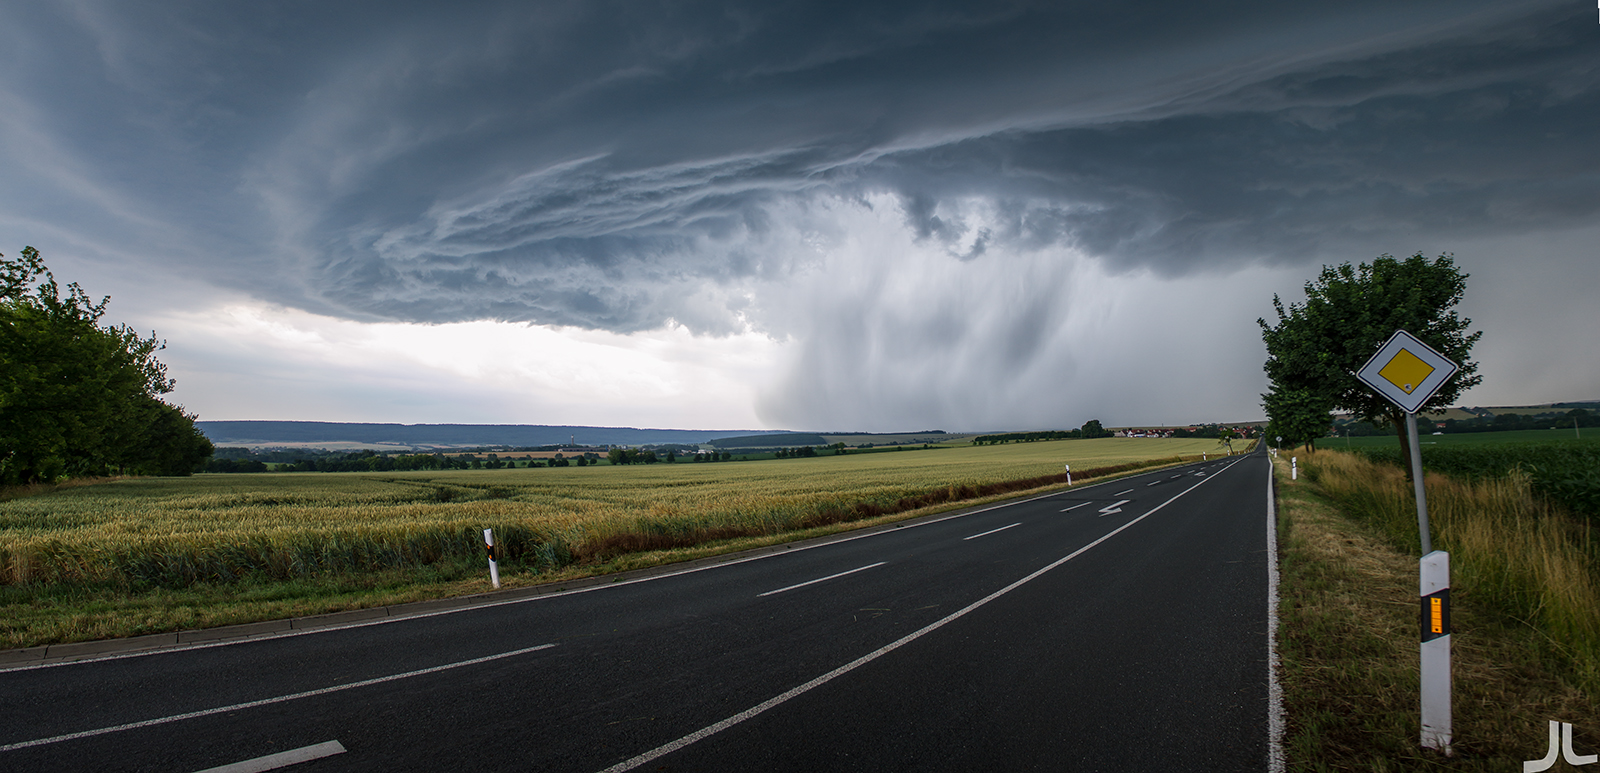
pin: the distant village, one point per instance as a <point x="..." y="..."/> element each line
<point x="1209" y="430"/>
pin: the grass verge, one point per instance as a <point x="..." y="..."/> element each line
<point x="1349" y="647"/>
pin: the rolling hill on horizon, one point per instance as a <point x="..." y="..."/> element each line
<point x="293" y="433"/>
<point x="309" y="433"/>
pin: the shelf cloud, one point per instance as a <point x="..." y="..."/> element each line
<point x="890" y="192"/>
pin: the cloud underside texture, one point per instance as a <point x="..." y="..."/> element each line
<point x="688" y="188"/>
<point x="616" y="167"/>
<point x="620" y="167"/>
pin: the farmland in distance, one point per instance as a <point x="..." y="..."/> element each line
<point x="154" y="536"/>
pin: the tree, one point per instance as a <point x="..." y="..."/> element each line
<point x="1297" y="415"/>
<point x="76" y="398"/>
<point x="1092" y="429"/>
<point x="1349" y="312"/>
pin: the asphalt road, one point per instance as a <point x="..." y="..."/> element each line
<point x="1120" y="627"/>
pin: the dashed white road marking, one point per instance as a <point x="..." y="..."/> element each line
<point x="1120" y="493"/>
<point x="1076" y="506"/>
<point x="281" y="759"/>
<point x="991" y="531"/>
<point x="268" y="701"/>
<point x="822" y="579"/>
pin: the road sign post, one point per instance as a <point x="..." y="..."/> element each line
<point x="1406" y="372"/>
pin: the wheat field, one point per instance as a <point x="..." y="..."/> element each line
<point x="224" y="527"/>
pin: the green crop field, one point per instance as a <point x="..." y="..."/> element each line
<point x="1466" y="438"/>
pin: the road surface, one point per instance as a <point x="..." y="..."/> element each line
<point x="1122" y="626"/>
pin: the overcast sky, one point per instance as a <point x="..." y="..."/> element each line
<point x="820" y="216"/>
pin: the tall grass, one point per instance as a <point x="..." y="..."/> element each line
<point x="1567" y="471"/>
<point x="1509" y="547"/>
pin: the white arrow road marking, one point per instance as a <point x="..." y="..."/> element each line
<point x="1076" y="506"/>
<point x="1114" y="507"/>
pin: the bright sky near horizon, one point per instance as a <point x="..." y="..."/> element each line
<point x="818" y="216"/>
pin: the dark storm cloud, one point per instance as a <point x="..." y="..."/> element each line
<point x="618" y="165"/>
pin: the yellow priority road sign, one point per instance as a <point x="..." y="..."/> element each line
<point x="1406" y="371"/>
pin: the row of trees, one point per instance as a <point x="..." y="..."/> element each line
<point x="1091" y="429"/>
<point x="372" y="461"/>
<point x="1316" y="347"/>
<point x="78" y="398"/>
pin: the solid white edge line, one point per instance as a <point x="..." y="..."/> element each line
<point x="268" y="701"/>
<point x="821" y="579"/>
<point x="1275" y="715"/>
<point x="991" y="531"/>
<point x="710" y="730"/>
<point x="281" y="759"/>
<point x="543" y="596"/>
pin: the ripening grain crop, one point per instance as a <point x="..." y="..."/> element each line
<point x="221" y="528"/>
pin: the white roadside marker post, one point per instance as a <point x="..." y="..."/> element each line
<point x="1069" y="475"/>
<point x="1407" y="372"/>
<point x="1294" y="468"/>
<point x="488" y="545"/>
<point x="1434" y="570"/>
<point x="1435" y="591"/>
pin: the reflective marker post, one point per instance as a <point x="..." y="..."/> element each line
<point x="1434" y="571"/>
<point x="1435" y="591"/>
<point x="488" y="545"/>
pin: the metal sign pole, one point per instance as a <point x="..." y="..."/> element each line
<point x="1416" y="479"/>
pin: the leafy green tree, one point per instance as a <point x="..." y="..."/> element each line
<point x="1317" y="346"/>
<point x="1299" y="416"/>
<point x="1092" y="429"/>
<point x="77" y="398"/>
<point x="171" y="445"/>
